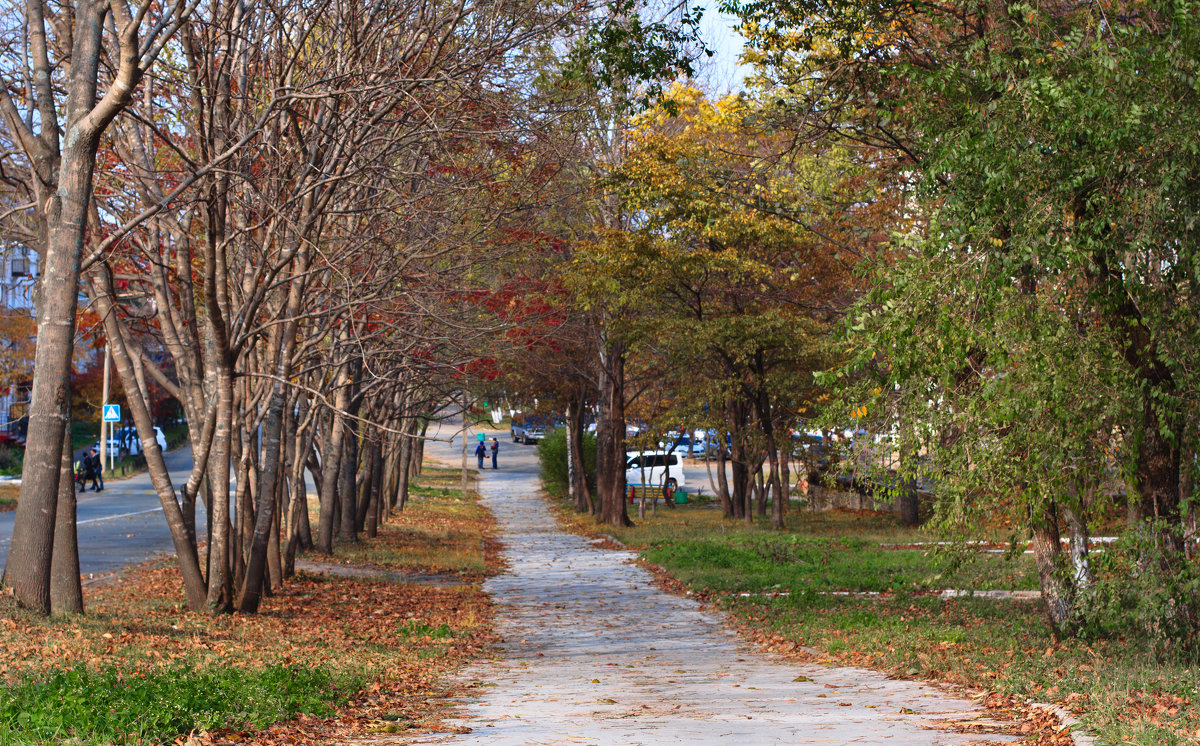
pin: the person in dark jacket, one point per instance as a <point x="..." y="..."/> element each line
<point x="495" y="448"/>
<point x="480" y="452"/>
<point x="95" y="470"/>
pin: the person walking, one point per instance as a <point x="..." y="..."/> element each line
<point x="95" y="470"/>
<point x="480" y="452"/>
<point x="495" y="448"/>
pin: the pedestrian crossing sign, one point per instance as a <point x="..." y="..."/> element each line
<point x="112" y="412"/>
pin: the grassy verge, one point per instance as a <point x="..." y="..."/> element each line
<point x="438" y="532"/>
<point x="1115" y="685"/>
<point x="326" y="658"/>
<point x="8" y="496"/>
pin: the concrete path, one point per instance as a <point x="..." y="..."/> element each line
<point x="593" y="653"/>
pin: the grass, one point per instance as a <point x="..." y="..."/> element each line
<point x="327" y="657"/>
<point x="1115" y="685"/>
<point x="8" y="496"/>
<point x="84" y="434"/>
<point x="156" y="708"/>
<point x="439" y="531"/>
<point x="828" y="551"/>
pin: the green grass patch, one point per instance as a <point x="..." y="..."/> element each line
<point x="418" y="629"/>
<point x="757" y="562"/>
<point x="827" y="551"/>
<point x="1117" y="685"/>
<point x="109" y="706"/>
<point x="438" y="531"/>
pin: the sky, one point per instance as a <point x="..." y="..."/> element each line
<point x="724" y="74"/>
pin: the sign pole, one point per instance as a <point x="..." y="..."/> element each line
<point x="103" y="405"/>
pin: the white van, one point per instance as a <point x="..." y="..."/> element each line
<point x="126" y="440"/>
<point x="656" y="467"/>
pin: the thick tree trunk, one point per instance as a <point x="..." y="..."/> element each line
<point x="418" y="453"/>
<point x="722" y="486"/>
<point x="577" y="488"/>
<point x="331" y="458"/>
<point x="610" y="439"/>
<point x="348" y="530"/>
<point x="365" y="486"/>
<point x="66" y="592"/>
<point x="372" y="527"/>
<point x="220" y="577"/>
<point x="63" y="165"/>
<point x="1058" y="595"/>
<point x="407" y="452"/>
<point x="27" y="570"/>
<point x="1156" y="471"/>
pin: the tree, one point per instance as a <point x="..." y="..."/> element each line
<point x="720" y="282"/>
<point x="70" y="101"/>
<point x="1034" y="334"/>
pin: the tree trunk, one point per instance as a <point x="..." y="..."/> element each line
<point x="27" y="570"/>
<point x="577" y="488"/>
<point x="1057" y="593"/>
<point x="220" y="577"/>
<point x="63" y="167"/>
<point x="66" y="592"/>
<point x="139" y="409"/>
<point x="417" y="461"/>
<point x="722" y="487"/>
<point x="372" y="527"/>
<point x="348" y="531"/>
<point x="610" y="439"/>
<point x="1156" y="470"/>
<point x="331" y="459"/>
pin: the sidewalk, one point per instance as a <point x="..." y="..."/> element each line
<point x="594" y="653"/>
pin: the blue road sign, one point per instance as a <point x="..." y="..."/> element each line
<point x="112" y="412"/>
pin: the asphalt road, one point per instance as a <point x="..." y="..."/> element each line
<point x="122" y="525"/>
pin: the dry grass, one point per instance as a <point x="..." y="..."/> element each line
<point x="8" y="496"/>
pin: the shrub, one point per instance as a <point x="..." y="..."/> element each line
<point x="552" y="454"/>
<point x="11" y="457"/>
<point x="1140" y="587"/>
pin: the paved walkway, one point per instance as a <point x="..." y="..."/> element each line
<point x="594" y="653"/>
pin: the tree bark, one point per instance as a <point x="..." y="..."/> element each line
<point x="139" y="410"/>
<point x="577" y="488"/>
<point x="62" y="172"/>
<point x="610" y="438"/>
<point x="1057" y="593"/>
<point x="66" y="591"/>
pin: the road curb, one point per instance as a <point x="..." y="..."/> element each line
<point x="1078" y="735"/>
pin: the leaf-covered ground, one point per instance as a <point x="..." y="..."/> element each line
<point x="327" y="657"/>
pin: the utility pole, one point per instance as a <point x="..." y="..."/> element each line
<point x="465" y="432"/>
<point x="104" y="452"/>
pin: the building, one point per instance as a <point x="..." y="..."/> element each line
<point x="18" y="275"/>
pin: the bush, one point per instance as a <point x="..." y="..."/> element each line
<point x="1140" y="588"/>
<point x="11" y="457"/>
<point x="107" y="706"/>
<point x="552" y="454"/>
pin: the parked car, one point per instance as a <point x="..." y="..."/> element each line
<point x="530" y="428"/>
<point x="711" y="445"/>
<point x="126" y="440"/>
<point x="658" y="468"/>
